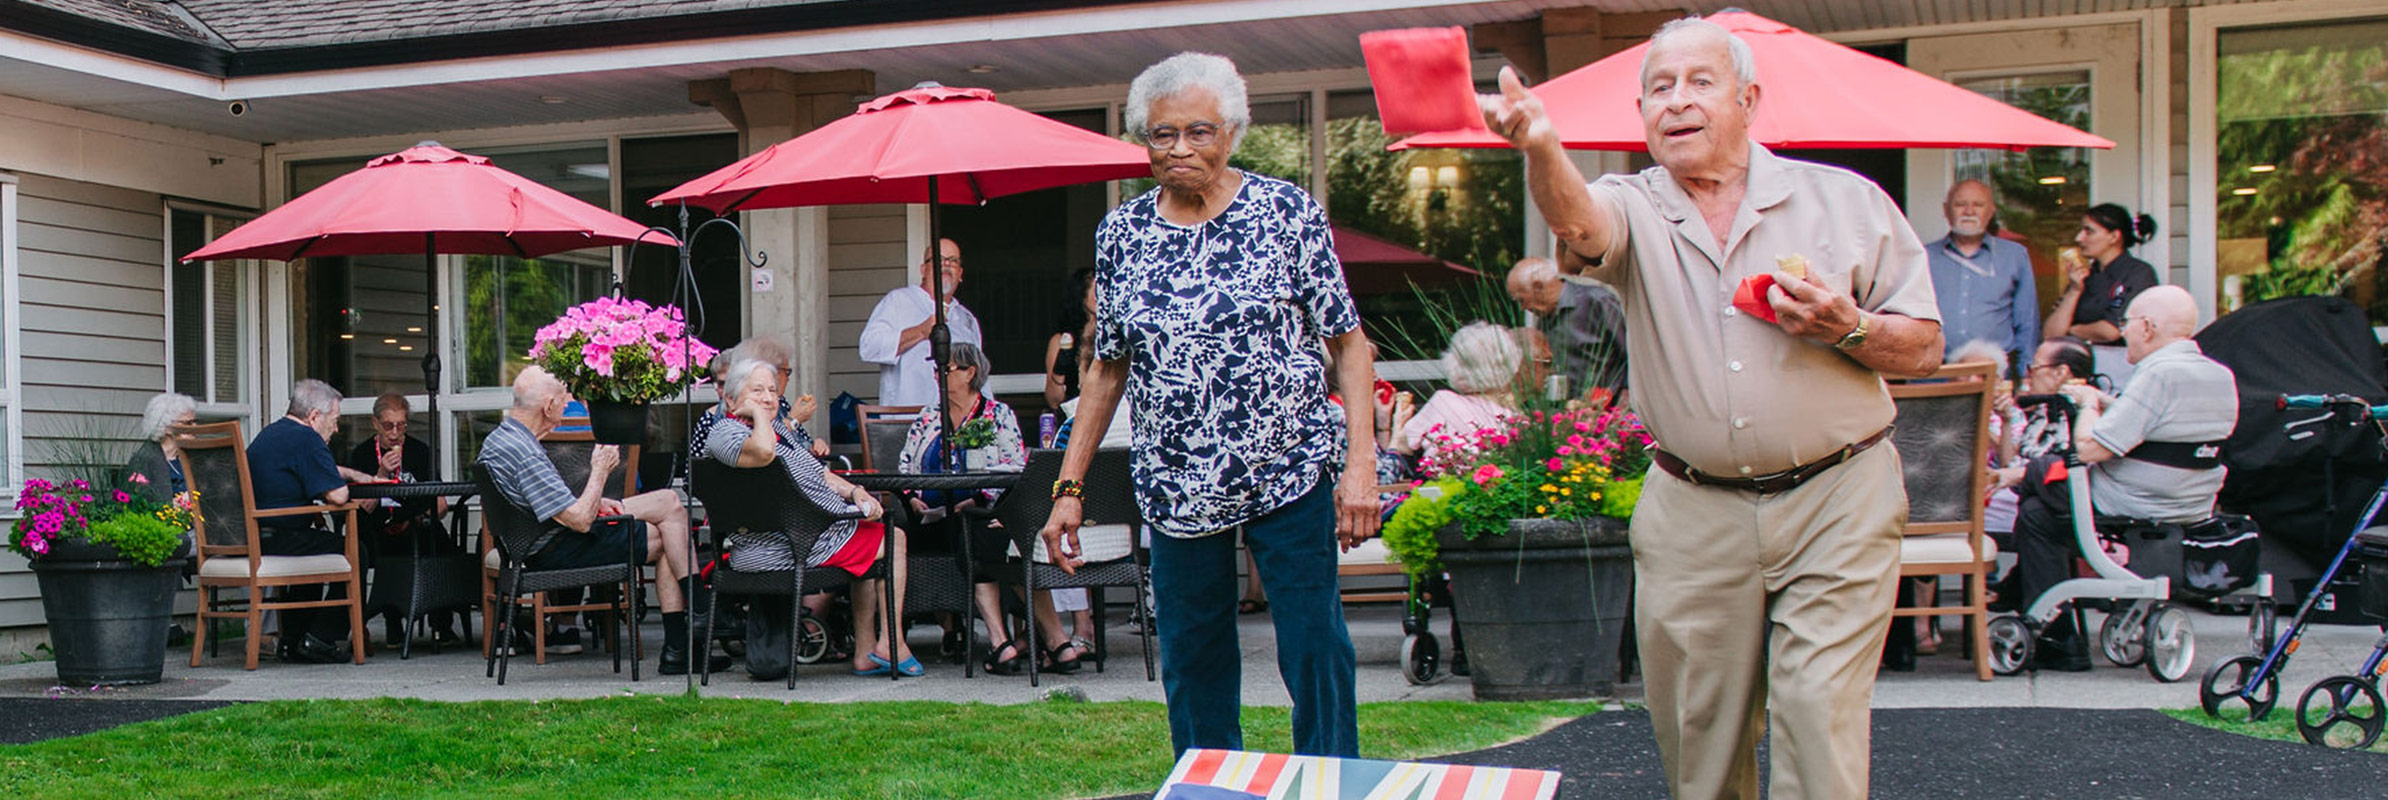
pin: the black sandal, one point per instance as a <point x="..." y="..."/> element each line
<point x="1009" y="666"/>
<point x="1251" y="606"/>
<point x="1053" y="663"/>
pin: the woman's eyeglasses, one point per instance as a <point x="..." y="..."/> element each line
<point x="1200" y="134"/>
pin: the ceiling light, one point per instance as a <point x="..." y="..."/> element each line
<point x="389" y="341"/>
<point x="414" y="329"/>
<point x="348" y="336"/>
<point x="551" y="99"/>
<point x="2053" y="180"/>
<point x="2243" y="191"/>
<point x="982" y="69"/>
<point x="2262" y="168"/>
<point x="1420" y="179"/>
<point x="1446" y="176"/>
<point x="406" y="347"/>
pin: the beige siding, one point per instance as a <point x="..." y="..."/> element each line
<point x="866" y="259"/>
<point x="92" y="316"/>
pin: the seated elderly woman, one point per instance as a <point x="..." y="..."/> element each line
<point x="1482" y="364"/>
<point x="752" y="434"/>
<point x="156" y="466"/>
<point x="966" y="402"/>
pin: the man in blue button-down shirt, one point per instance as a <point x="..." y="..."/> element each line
<point x="1984" y="282"/>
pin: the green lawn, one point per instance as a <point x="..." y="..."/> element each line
<point x="677" y="746"/>
<point x="2281" y="724"/>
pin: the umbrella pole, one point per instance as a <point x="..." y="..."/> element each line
<point x="941" y="352"/>
<point x="431" y="365"/>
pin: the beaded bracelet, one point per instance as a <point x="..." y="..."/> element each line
<point x="1068" y="488"/>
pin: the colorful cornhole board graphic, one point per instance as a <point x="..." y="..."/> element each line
<point x="1238" y="775"/>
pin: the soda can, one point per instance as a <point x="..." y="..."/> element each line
<point x="1046" y="427"/>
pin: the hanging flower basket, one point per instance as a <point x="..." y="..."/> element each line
<point x="617" y="356"/>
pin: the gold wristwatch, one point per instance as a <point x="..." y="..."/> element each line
<point x="1855" y="338"/>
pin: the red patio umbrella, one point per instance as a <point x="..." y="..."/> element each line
<point x="1817" y="94"/>
<point x="927" y="144"/>
<point x="1378" y="266"/>
<point x="432" y="200"/>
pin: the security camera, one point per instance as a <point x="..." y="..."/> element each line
<point x="237" y="107"/>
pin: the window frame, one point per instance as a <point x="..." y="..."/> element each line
<point x="248" y="307"/>
<point x="12" y="411"/>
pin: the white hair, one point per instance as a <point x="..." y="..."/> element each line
<point x="312" y="396"/>
<point x="742" y="371"/>
<point x="1185" y="72"/>
<point x="1533" y="270"/>
<point x="1745" y="65"/>
<point x="533" y="386"/>
<point x="1482" y="358"/>
<point x="164" y="408"/>
<point x="1981" y="351"/>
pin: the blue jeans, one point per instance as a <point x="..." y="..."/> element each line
<point x="1293" y="549"/>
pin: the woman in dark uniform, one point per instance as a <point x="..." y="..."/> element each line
<point x="2101" y="282"/>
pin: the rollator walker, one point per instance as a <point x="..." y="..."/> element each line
<point x="2146" y="629"/>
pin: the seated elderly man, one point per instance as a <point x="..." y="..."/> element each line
<point x="2154" y="454"/>
<point x="750" y="434"/>
<point x="523" y="473"/>
<point x="290" y="465"/>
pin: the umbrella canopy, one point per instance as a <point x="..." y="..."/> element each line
<point x="893" y="149"/>
<point x="1377" y="266"/>
<point x="428" y="199"/>
<point x="1817" y="94"/>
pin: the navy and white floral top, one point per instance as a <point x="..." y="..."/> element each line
<point x="1222" y="325"/>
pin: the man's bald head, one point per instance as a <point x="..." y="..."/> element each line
<point x="534" y="388"/>
<point x="1534" y="284"/>
<point x="2158" y="317"/>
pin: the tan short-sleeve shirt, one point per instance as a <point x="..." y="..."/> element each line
<point x="1731" y="394"/>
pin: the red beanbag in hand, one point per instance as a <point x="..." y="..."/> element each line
<point x="1422" y="80"/>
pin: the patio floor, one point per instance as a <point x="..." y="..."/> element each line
<point x="1944" y="681"/>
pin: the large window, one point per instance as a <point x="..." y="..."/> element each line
<point x="2301" y="190"/>
<point x="1417" y="208"/>
<point x="208" y="314"/>
<point x="653" y="166"/>
<point x="1018" y="253"/>
<point x="2042" y="191"/>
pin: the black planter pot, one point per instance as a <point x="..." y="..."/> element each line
<point x="1544" y="609"/>
<point x="107" y="616"/>
<point x="618" y="423"/>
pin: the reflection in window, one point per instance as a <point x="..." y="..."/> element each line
<point x="509" y="299"/>
<point x="2041" y="191"/>
<point x="1463" y="206"/>
<point x="2301" y="202"/>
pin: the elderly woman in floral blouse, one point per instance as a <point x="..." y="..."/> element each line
<point x="1219" y="297"/>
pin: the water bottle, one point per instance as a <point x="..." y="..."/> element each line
<point x="1046" y="426"/>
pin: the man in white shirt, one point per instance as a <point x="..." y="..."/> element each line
<point x="897" y="337"/>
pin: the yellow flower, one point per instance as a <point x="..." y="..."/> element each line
<point x="1542" y="509"/>
<point x="1566" y="491"/>
<point x="1549" y="488"/>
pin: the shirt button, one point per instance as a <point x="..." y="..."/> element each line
<point x="1741" y="422"/>
<point x="1734" y="366"/>
<point x="1731" y="311"/>
<point x="1745" y="470"/>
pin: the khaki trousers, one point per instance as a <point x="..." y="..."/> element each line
<point x="1749" y="603"/>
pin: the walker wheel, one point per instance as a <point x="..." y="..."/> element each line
<point x="2341" y="711"/>
<point x="2171" y="643"/>
<point x="2263" y="625"/>
<point x="2010" y="644"/>
<point x="812" y="640"/>
<point x="2122" y="636"/>
<point x="1421" y="659"/>
<point x="2228" y="682"/>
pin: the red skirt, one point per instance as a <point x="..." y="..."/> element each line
<point x="861" y="551"/>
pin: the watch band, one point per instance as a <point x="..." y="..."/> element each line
<point x="1855" y="338"/>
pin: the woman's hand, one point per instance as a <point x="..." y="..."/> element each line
<point x="1061" y="534"/>
<point x="1356" y="508"/>
<point x="2076" y="269"/>
<point x="2003" y="478"/>
<point x="802" y="409"/>
<point x="820" y="449"/>
<point x="868" y="505"/>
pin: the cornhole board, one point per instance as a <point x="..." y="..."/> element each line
<point x="1238" y="775"/>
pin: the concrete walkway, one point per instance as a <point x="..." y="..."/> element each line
<point x="1942" y="681"/>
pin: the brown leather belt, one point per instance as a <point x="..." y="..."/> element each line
<point x="1775" y="483"/>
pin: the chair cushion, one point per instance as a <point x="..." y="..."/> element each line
<point x="1369" y="553"/>
<point x="490" y="560"/>
<point x="275" y="566"/>
<point x="1943" y="548"/>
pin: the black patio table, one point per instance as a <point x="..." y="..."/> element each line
<point x="431" y="581"/>
<point x="922" y="482"/>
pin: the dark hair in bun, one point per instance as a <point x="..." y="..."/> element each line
<point x="2117" y="218"/>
